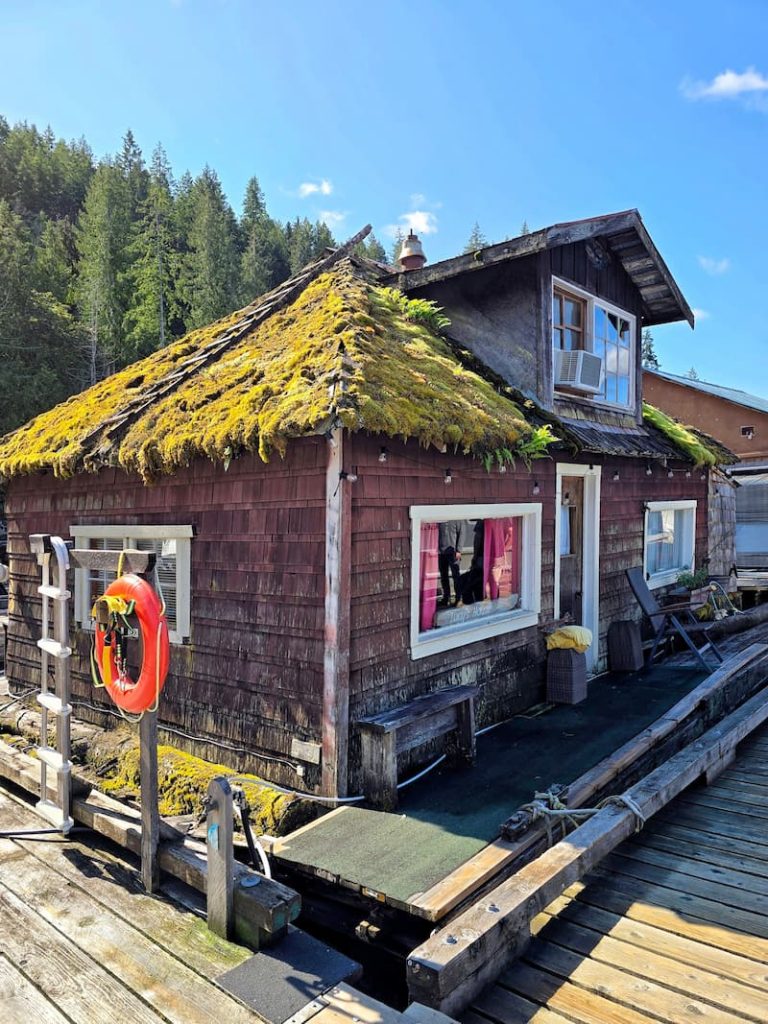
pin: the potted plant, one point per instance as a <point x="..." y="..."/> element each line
<point x="696" y="583"/>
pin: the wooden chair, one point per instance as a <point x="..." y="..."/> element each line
<point x="667" y="621"/>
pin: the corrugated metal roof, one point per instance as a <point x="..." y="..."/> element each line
<point x="719" y="390"/>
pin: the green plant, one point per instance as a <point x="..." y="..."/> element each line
<point x="693" y="580"/>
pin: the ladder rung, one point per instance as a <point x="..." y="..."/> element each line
<point x="53" y="703"/>
<point x="53" y="813"/>
<point x="53" y="759"/>
<point x="55" y="592"/>
<point x="54" y="648"/>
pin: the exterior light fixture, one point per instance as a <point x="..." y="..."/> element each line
<point x="616" y="476"/>
<point x="351" y="477"/>
<point x="502" y="468"/>
<point x="670" y="474"/>
<point x="536" y="488"/>
<point x="448" y="479"/>
<point x="383" y="454"/>
<point x="687" y="474"/>
<point x="648" y="470"/>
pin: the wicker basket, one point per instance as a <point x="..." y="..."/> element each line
<point x="566" y="677"/>
<point x="625" y="646"/>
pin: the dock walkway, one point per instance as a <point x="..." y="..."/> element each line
<point x="673" y="926"/>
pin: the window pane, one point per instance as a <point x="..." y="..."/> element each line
<point x="610" y="388"/>
<point x="600" y="322"/>
<point x="611" y="359"/>
<point x="613" y="332"/>
<point x="623" y="361"/>
<point x="557" y="338"/>
<point x="668" y="547"/>
<point x="556" y="316"/>
<point x="166" y="573"/>
<point x="572" y="339"/>
<point x="623" y="391"/>
<point x="625" y="334"/>
<point x="468" y="569"/>
<point x="572" y="312"/>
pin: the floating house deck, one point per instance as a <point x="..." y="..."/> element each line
<point x="672" y="927"/>
<point x="420" y="859"/>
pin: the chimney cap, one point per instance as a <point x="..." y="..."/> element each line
<point x="411" y="255"/>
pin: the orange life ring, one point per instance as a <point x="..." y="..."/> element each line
<point x="141" y="695"/>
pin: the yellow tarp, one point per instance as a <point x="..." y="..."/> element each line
<point x="570" y="638"/>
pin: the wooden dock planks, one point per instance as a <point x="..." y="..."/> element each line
<point x="670" y="927"/>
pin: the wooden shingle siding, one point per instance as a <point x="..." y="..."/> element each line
<point x="251" y="675"/>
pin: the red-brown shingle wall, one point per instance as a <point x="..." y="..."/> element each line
<point x="251" y="675"/>
<point x="509" y="668"/>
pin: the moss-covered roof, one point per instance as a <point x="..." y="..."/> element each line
<point x="344" y="350"/>
<point x="696" y="446"/>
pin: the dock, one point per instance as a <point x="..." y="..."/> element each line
<point x="672" y="926"/>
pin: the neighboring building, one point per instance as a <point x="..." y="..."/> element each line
<point x="739" y="421"/>
<point x="307" y="467"/>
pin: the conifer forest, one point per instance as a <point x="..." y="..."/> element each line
<point x="104" y="261"/>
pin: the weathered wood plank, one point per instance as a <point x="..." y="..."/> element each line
<point x="79" y="986"/>
<point x="21" y="1001"/>
<point x="220" y="853"/>
<point x="453" y="966"/>
<point x="150" y="816"/>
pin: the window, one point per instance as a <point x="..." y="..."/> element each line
<point x="582" y="321"/>
<point x="670" y="532"/>
<point x="476" y="573"/>
<point x="748" y="432"/>
<point x="171" y="544"/>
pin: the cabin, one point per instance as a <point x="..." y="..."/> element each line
<point x="372" y="484"/>
<point x="738" y="420"/>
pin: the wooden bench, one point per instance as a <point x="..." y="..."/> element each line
<point x="390" y="733"/>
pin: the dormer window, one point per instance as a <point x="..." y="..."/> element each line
<point x="582" y="322"/>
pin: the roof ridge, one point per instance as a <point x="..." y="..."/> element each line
<point x="258" y="312"/>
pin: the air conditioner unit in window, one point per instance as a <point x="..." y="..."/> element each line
<point x="578" y="371"/>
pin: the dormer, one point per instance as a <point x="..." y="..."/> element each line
<point x="559" y="312"/>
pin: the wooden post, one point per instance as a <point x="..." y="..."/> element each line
<point x="150" y="817"/>
<point x="221" y="860"/>
<point x="379" y="755"/>
<point x="338" y="559"/>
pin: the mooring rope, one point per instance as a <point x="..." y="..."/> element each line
<point x="548" y="806"/>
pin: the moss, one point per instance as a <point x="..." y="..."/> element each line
<point x="347" y="350"/>
<point x="183" y="782"/>
<point x="700" y="449"/>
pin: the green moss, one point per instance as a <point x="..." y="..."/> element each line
<point x="183" y="781"/>
<point x="701" y="450"/>
<point x="365" y="355"/>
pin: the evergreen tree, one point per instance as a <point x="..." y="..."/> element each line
<point x="307" y="242"/>
<point x="397" y="245"/>
<point x="264" y="262"/>
<point x="524" y="229"/>
<point x="131" y="165"/>
<point x="103" y="238"/>
<point x="39" y="341"/>
<point x="692" y="374"/>
<point x="372" y="249"/>
<point x="650" y="359"/>
<point x="210" y="275"/>
<point x="476" y="240"/>
<point x="152" y="273"/>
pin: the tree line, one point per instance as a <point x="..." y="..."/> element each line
<point x="103" y="262"/>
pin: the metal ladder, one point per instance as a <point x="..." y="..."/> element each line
<point x="56" y="701"/>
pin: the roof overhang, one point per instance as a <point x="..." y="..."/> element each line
<point x="623" y="234"/>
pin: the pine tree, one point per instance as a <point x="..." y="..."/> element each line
<point x="210" y="279"/>
<point x="372" y="249"/>
<point x="650" y="359"/>
<point x="39" y="342"/>
<point x="307" y="242"/>
<point x="264" y="262"/>
<point x="397" y="245"/>
<point x="476" y="240"/>
<point x="152" y="274"/>
<point x="56" y="259"/>
<point x="103" y="238"/>
<point x="692" y="374"/>
<point x="524" y="229"/>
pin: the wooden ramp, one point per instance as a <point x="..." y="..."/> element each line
<point x="672" y="927"/>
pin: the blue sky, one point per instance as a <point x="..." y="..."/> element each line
<point x="443" y="114"/>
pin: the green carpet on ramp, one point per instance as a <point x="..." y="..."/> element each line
<point x="453" y="812"/>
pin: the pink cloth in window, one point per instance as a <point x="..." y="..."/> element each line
<point x="501" y="557"/>
<point x="428" y="577"/>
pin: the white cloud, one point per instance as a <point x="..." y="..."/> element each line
<point x="332" y="218"/>
<point x="418" y="199"/>
<point x="701" y="314"/>
<point x="714" y="267"/>
<point x="750" y="86"/>
<point x="422" y="222"/>
<point x="311" y="188"/>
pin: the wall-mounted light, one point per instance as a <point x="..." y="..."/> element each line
<point x="536" y="488"/>
<point x="567" y="498"/>
<point x="383" y="454"/>
<point x="502" y="467"/>
<point x="687" y="474"/>
<point x="351" y="477"/>
<point x="670" y="474"/>
<point x="616" y="476"/>
<point x="703" y="476"/>
<point x="648" y="470"/>
<point x="448" y="478"/>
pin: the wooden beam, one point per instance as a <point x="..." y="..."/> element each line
<point x="453" y="966"/>
<point x="150" y="816"/>
<point x="140" y="562"/>
<point x="221" y="859"/>
<point x="338" y="561"/>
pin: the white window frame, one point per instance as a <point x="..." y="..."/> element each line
<point x="669" y="576"/>
<point x="449" y="637"/>
<point x="130" y="534"/>
<point x="589" y="333"/>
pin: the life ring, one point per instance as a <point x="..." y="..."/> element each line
<point x="107" y="660"/>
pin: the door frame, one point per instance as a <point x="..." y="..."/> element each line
<point x="590" y="541"/>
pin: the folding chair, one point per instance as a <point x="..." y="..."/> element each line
<point x="666" y="621"/>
